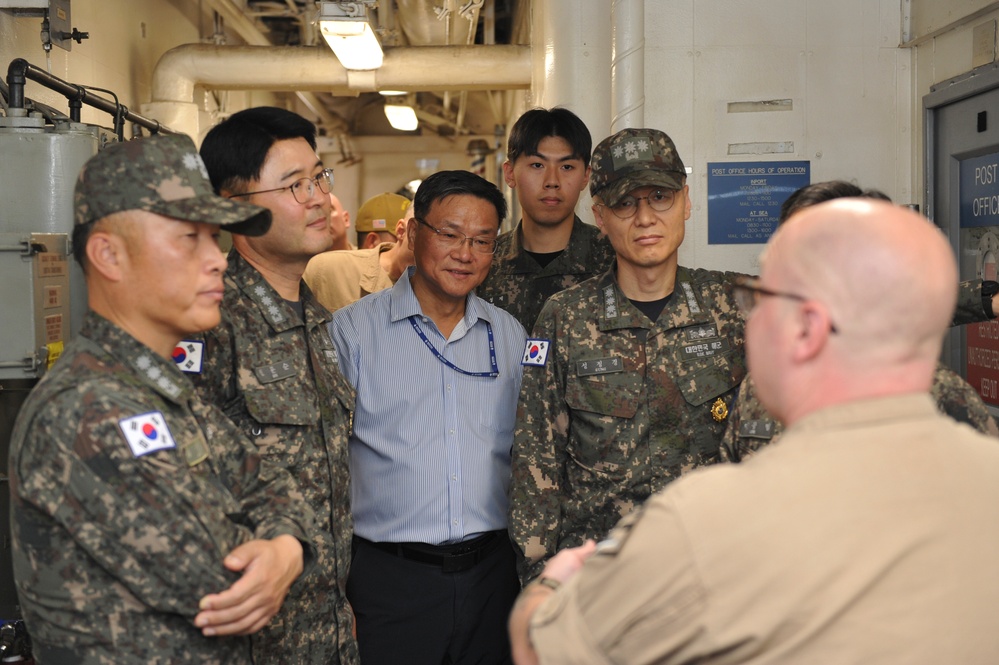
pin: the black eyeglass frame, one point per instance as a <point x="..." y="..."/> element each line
<point x="453" y="243"/>
<point x="747" y="292"/>
<point x="326" y="175"/>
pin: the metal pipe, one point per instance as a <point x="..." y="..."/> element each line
<point x="411" y="69"/>
<point x="627" y="64"/>
<point x="20" y="70"/>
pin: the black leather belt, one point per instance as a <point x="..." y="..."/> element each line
<point x="451" y="558"/>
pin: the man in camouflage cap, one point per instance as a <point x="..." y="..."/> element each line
<point x="270" y="363"/>
<point x="631" y="374"/>
<point x="146" y="528"/>
<point x="872" y="519"/>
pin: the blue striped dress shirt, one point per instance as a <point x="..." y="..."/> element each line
<point x="430" y="447"/>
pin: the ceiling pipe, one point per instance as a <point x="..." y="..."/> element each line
<point x="290" y="68"/>
<point x="247" y="29"/>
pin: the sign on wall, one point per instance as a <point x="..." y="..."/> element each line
<point x="979" y="206"/>
<point x="744" y="198"/>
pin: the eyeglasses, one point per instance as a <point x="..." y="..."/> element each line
<point x="747" y="292"/>
<point x="659" y="200"/>
<point x="453" y="239"/>
<point x="302" y="189"/>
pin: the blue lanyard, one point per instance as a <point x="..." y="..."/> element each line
<point x="492" y="351"/>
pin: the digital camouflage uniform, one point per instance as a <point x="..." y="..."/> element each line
<point x="750" y="426"/>
<point x="518" y="284"/>
<point x="278" y="381"/>
<point x="115" y="542"/>
<point x="969" y="303"/>
<point x="621" y="407"/>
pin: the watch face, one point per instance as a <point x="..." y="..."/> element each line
<point x="988" y="256"/>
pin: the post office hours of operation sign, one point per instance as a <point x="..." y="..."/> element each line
<point x="744" y="198"/>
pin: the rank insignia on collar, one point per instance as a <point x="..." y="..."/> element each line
<point x="719" y="410"/>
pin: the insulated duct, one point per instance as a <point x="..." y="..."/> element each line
<point x="291" y="68"/>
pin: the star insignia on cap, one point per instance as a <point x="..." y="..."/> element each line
<point x="631" y="150"/>
<point x="618" y="151"/>
<point x="192" y="161"/>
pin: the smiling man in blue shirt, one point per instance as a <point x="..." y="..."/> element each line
<point x="433" y="576"/>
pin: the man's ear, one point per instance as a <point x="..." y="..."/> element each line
<point x="371" y="240"/>
<point x="813" y="328"/>
<point x="400" y="231"/>
<point x="595" y="209"/>
<point x="107" y="254"/>
<point x="508" y="175"/>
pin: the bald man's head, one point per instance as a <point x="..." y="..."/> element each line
<point x="878" y="287"/>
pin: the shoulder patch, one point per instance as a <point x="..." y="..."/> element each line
<point x="536" y="352"/>
<point x="146" y="433"/>
<point x="189" y="355"/>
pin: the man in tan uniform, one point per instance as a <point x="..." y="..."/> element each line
<point x="867" y="536"/>
<point x="340" y="278"/>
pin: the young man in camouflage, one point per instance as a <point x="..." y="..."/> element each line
<point x="548" y="166"/>
<point x="270" y="364"/>
<point x="750" y="426"/>
<point x="635" y="370"/>
<point x="146" y="527"/>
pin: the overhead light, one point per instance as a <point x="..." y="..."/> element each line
<point x="401" y="117"/>
<point x="392" y="93"/>
<point x="346" y="29"/>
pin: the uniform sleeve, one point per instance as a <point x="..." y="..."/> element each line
<point x="267" y="493"/>
<point x="538" y="458"/>
<point x="638" y="600"/>
<point x="217" y="381"/>
<point x="148" y="521"/>
<point x="959" y="400"/>
<point x="969" y="303"/>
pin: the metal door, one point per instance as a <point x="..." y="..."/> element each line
<point x="962" y="198"/>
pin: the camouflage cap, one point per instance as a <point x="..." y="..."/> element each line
<point x="380" y="213"/>
<point x="162" y="174"/>
<point x="634" y="158"/>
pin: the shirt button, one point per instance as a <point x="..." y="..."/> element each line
<point x="450" y="431"/>
<point x="454" y="476"/>
<point x="454" y="522"/>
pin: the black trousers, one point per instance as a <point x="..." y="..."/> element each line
<point x="413" y="613"/>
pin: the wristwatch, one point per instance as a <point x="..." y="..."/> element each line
<point x="989" y="289"/>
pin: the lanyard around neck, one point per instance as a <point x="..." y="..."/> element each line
<point x="492" y="351"/>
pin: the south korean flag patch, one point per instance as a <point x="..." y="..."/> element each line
<point x="536" y="352"/>
<point x="188" y="355"/>
<point x="147" y="433"/>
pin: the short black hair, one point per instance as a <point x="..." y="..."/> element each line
<point x="443" y="184"/>
<point x="540" y="123"/>
<point x="235" y="149"/>
<point x="820" y="192"/>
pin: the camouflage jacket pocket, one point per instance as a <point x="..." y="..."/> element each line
<point x="615" y="394"/>
<point x="710" y="378"/>
<point x="277" y="404"/>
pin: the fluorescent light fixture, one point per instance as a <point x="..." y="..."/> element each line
<point x="350" y="35"/>
<point x="401" y="117"/>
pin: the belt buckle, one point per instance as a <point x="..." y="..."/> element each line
<point x="455" y="563"/>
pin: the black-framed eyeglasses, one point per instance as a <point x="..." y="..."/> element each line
<point x="453" y="239"/>
<point x="302" y="189"/>
<point x="747" y="292"/>
<point x="659" y="200"/>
